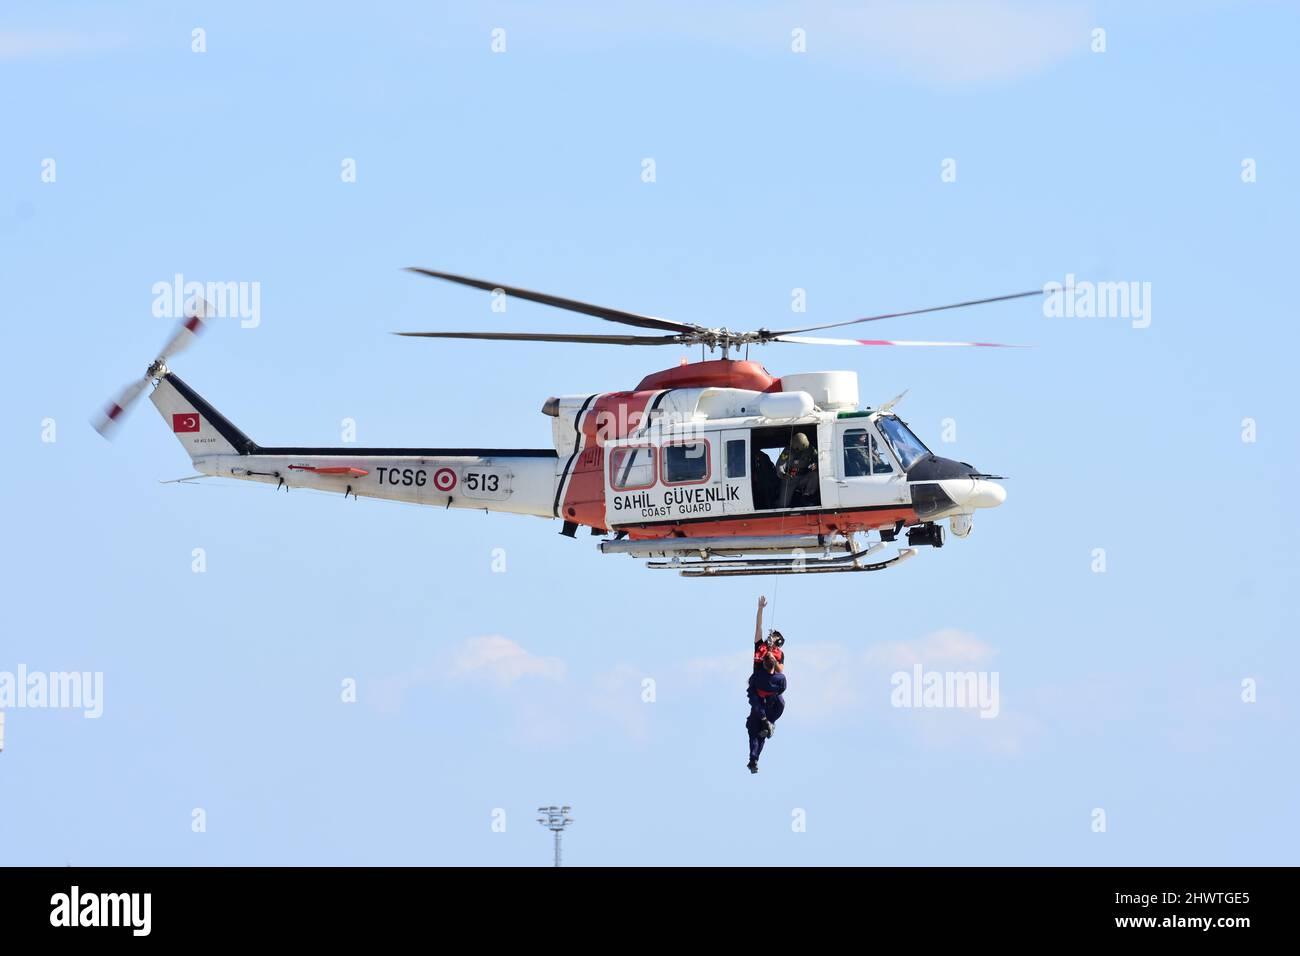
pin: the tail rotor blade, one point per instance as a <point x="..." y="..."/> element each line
<point x="107" y="420"/>
<point x="188" y="330"/>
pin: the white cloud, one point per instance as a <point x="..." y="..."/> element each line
<point x="834" y="683"/>
<point x="953" y="43"/>
<point x="830" y="683"/>
<point x="826" y="679"/>
<point x="730" y="667"/>
<point x="501" y="661"/>
<point x="385" y="694"/>
<point x="958" y="729"/>
<point x="617" y="696"/>
<point x="492" y="659"/>
<point x="21" y="44"/>
<point x="945" y="648"/>
<point x="940" y="43"/>
<point x="829" y="678"/>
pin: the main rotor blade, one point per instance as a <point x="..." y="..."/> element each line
<point x="572" y="305"/>
<point x="813" y="340"/>
<point x="548" y="337"/>
<point x="898" y="315"/>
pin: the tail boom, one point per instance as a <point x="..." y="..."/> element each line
<point x="510" y="480"/>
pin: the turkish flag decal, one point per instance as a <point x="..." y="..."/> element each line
<point x="185" y="422"/>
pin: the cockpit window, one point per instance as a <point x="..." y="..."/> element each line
<point x="863" y="455"/>
<point x="907" y="447"/>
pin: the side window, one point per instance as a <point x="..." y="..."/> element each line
<point x="857" y="452"/>
<point x="631" y="469"/>
<point x="863" y="454"/>
<point x="686" y="463"/>
<point x="736" y="458"/>
<point x="879" y="458"/>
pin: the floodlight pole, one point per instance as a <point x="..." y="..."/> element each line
<point x="555" y="819"/>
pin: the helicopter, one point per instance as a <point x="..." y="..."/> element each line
<point x="714" y="468"/>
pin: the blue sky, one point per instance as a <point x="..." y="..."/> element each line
<point x="774" y="170"/>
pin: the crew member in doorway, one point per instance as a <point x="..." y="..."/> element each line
<point x="797" y="467"/>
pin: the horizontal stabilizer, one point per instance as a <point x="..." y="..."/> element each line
<point x="344" y="470"/>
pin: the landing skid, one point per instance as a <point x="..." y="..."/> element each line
<point x="727" y="557"/>
<point x="735" y="569"/>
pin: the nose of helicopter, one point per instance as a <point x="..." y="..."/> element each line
<point x="985" y="494"/>
<point x="960" y="484"/>
<point x="971" y="493"/>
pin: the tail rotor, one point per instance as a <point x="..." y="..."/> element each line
<point x="187" y="331"/>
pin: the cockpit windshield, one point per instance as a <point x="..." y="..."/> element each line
<point x="907" y="447"/>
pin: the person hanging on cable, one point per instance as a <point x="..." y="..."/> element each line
<point x="773" y="644"/>
<point x="767" y="684"/>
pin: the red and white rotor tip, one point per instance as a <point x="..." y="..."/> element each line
<point x="196" y="315"/>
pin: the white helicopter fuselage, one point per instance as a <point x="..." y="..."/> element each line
<point x="709" y="462"/>
<point x="676" y="458"/>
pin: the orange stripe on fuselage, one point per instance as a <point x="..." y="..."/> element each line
<point x="611" y="416"/>
<point x="844" y="522"/>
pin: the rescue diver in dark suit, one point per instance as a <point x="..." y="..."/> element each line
<point x="767" y="684"/>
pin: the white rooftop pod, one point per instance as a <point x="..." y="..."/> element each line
<point x="783" y="406"/>
<point x="830" y="391"/>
